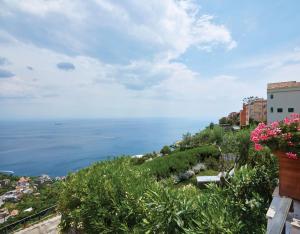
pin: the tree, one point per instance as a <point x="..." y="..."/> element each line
<point x="223" y="120"/>
<point x="186" y="142"/>
<point x="233" y="118"/>
<point x="249" y="100"/>
<point x="211" y="125"/>
<point x="165" y="150"/>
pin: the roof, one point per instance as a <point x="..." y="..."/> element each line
<point x="22" y="179"/>
<point x="283" y="85"/>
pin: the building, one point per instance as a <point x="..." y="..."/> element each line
<point x="43" y="179"/>
<point x="23" y="182"/>
<point x="4" y="183"/>
<point x="283" y="100"/>
<point x="257" y="111"/>
<point x="254" y="109"/>
<point x="11" y="196"/>
<point x="243" y="115"/>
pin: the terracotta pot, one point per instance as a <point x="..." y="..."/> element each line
<point x="289" y="176"/>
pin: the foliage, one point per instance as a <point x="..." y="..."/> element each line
<point x="212" y="163"/>
<point x="47" y="197"/>
<point x="180" y="161"/>
<point x="232" y="119"/>
<point x="237" y="143"/>
<point x="223" y="120"/>
<point x="104" y="198"/>
<point x="249" y="100"/>
<point x="250" y="192"/>
<point x="126" y="195"/>
<point x="168" y="211"/>
<point x="11" y="185"/>
<point x="165" y="150"/>
<point x="141" y="160"/>
<point x="117" y="197"/>
<point x="207" y="136"/>
<point x="279" y="136"/>
<point x="211" y="125"/>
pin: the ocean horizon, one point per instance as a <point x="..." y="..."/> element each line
<point x="57" y="147"/>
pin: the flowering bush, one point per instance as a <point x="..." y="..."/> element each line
<point x="279" y="136"/>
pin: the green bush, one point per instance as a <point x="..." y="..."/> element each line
<point x="119" y="197"/>
<point x="180" y="161"/>
<point x="165" y="150"/>
<point x="141" y="160"/>
<point x="212" y="163"/>
<point x="210" y="135"/>
<point x="250" y="191"/>
<point x="169" y="211"/>
<point x="104" y="198"/>
<point x="128" y="195"/>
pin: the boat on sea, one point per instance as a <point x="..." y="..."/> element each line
<point x="7" y="172"/>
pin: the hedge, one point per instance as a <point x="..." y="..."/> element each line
<point x="180" y="161"/>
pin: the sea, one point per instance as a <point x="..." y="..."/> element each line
<point x="58" y="147"/>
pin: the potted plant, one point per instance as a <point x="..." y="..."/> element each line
<point x="283" y="138"/>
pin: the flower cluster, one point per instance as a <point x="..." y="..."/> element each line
<point x="283" y="136"/>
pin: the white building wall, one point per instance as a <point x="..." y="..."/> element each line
<point x="282" y="98"/>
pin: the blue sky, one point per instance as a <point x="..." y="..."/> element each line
<point x="137" y="58"/>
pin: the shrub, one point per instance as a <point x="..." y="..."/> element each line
<point x="169" y="211"/>
<point x="239" y="144"/>
<point x="117" y="197"/>
<point x="212" y="163"/>
<point x="141" y="160"/>
<point x="165" y="150"/>
<point x="250" y="193"/>
<point x="104" y="198"/>
<point x="180" y="161"/>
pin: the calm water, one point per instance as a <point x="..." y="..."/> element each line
<point x="58" y="147"/>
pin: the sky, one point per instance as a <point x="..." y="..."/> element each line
<point x="140" y="58"/>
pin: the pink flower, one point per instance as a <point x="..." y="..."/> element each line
<point x="287" y="121"/>
<point x="264" y="137"/>
<point x="291" y="155"/>
<point x="278" y="135"/>
<point x="258" y="147"/>
<point x="275" y="124"/>
<point x="255" y="139"/>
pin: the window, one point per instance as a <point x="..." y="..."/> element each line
<point x="271" y="109"/>
<point x="271" y="96"/>
<point x="290" y="109"/>
<point x="279" y="110"/>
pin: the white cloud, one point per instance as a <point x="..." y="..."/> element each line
<point x="147" y="35"/>
<point x="96" y="89"/>
<point x="272" y="61"/>
<point x="41" y="8"/>
<point x="170" y="26"/>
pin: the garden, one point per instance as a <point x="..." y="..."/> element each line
<point x="128" y="195"/>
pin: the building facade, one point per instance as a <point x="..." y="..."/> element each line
<point x="243" y="117"/>
<point x="283" y="100"/>
<point x="255" y="110"/>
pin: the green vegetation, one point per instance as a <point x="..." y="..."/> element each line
<point x="43" y="197"/>
<point x="180" y="161"/>
<point x="141" y="160"/>
<point x="10" y="186"/>
<point x="128" y="195"/>
<point x="165" y="150"/>
<point x="232" y="119"/>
